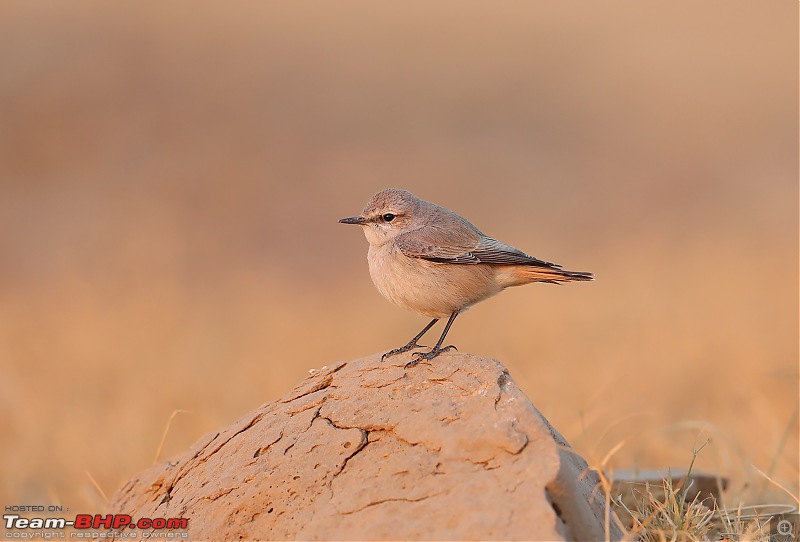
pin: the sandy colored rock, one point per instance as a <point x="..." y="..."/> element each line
<point x="450" y="450"/>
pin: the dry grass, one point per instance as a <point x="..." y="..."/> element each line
<point x="172" y="176"/>
<point x="665" y="513"/>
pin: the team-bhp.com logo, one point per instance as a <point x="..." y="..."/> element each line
<point x="113" y="522"/>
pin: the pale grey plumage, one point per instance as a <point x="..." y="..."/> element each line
<point x="430" y="260"/>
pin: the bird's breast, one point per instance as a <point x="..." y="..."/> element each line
<point x="433" y="289"/>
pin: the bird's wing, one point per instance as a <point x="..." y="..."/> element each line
<point x="494" y="252"/>
<point x="467" y="247"/>
<point x="439" y="245"/>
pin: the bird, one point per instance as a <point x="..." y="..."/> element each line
<point x="432" y="261"/>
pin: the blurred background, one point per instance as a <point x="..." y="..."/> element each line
<point x="171" y="177"/>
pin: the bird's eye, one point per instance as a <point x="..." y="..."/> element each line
<point x="388" y="217"/>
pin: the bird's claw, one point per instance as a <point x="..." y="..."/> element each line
<point x="410" y="346"/>
<point x="416" y="357"/>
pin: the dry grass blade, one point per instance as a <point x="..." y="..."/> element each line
<point x="792" y="495"/>
<point x="166" y="431"/>
<point x="97" y="486"/>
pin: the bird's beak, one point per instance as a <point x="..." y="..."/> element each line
<point x="360" y="220"/>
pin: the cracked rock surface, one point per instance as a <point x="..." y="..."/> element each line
<point x="368" y="450"/>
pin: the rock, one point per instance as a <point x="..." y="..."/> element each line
<point x="447" y="450"/>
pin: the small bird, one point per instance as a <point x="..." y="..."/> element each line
<point x="434" y="262"/>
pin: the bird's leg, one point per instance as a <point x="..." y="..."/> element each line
<point x="412" y="344"/>
<point x="436" y="350"/>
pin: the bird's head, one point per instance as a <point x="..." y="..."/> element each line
<point x="389" y="213"/>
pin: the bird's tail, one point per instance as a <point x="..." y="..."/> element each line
<point x="518" y="275"/>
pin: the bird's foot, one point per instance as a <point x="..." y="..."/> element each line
<point x="435" y="351"/>
<point x="410" y="346"/>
